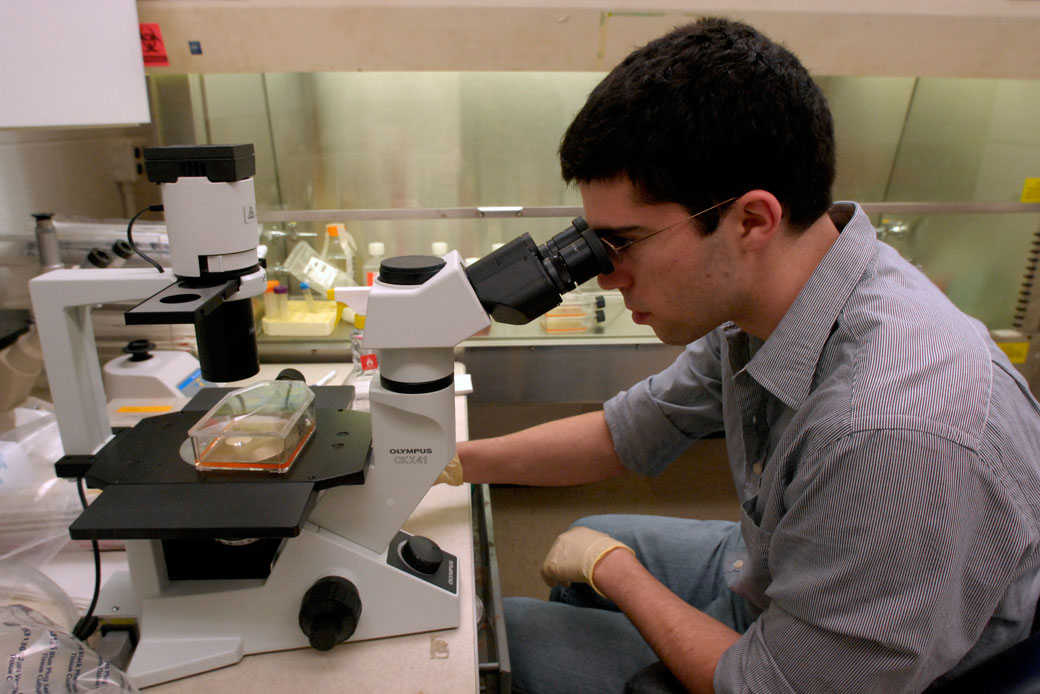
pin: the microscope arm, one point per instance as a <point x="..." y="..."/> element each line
<point x="414" y="329"/>
<point x="61" y="302"/>
<point x="415" y="314"/>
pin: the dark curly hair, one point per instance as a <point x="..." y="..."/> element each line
<point x="708" y="112"/>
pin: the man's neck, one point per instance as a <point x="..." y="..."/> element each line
<point x="782" y="271"/>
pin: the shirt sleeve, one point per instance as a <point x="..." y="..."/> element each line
<point x="657" y="419"/>
<point x="885" y="569"/>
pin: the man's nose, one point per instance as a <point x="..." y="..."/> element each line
<point x="613" y="280"/>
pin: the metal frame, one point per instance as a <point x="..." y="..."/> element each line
<point x="277" y="216"/>
<point x="495" y="672"/>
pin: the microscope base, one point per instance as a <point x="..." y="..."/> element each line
<point x="188" y="627"/>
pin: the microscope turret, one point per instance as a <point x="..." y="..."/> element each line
<point x="210" y="208"/>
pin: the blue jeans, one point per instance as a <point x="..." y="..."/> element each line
<point x="579" y="642"/>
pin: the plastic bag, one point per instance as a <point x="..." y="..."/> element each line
<point x="23" y="584"/>
<point x="36" y="508"/>
<point x="41" y="657"/>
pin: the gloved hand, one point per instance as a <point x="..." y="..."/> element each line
<point x="452" y="473"/>
<point x="574" y="555"/>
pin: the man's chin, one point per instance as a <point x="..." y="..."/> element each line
<point x="676" y="336"/>
<point x="670" y="337"/>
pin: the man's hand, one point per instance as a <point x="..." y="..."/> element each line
<point x="452" y="473"/>
<point x="574" y="555"/>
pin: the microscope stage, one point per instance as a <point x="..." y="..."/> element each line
<point x="151" y="492"/>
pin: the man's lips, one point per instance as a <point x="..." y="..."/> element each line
<point x="639" y="317"/>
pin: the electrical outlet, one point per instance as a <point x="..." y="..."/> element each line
<point x="126" y="160"/>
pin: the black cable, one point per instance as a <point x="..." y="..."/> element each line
<point x="88" y="622"/>
<point x="130" y="238"/>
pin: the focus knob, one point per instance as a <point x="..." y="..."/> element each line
<point x="422" y="554"/>
<point x="330" y="612"/>
<point x="139" y="349"/>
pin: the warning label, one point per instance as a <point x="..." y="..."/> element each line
<point x="152" y="47"/>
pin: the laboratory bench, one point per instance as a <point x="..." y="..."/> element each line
<point x="469" y="658"/>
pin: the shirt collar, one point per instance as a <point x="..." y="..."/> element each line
<point x="786" y="362"/>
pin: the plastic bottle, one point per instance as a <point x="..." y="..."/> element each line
<point x="306" y="289"/>
<point x="281" y="302"/>
<point x="349" y="246"/>
<point x="336" y="249"/>
<point x="306" y="265"/>
<point x="370" y="270"/>
<point x="327" y="242"/>
<point x="270" y="304"/>
<point x="578" y="312"/>
<point x="339" y="248"/>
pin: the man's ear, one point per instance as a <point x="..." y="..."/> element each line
<point x="760" y="215"/>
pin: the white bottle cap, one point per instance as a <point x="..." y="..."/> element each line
<point x="439" y="248"/>
<point x="376" y="248"/>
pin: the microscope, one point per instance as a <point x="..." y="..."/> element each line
<point x="225" y="564"/>
<point x="211" y="223"/>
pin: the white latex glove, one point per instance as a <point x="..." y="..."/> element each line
<point x="574" y="555"/>
<point x="452" y="473"/>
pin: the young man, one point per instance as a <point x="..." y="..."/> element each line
<point x="885" y="452"/>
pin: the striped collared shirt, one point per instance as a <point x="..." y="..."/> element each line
<point x="887" y="459"/>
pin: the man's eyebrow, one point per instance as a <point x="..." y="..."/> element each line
<point x="618" y="230"/>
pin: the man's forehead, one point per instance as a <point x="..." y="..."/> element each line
<point x="615" y="207"/>
<point x="612" y="204"/>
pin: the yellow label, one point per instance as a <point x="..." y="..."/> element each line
<point x="142" y="409"/>
<point x="1015" y="351"/>
<point x="1031" y="190"/>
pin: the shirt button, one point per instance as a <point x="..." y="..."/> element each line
<point x="757" y="468"/>
<point x="738" y="564"/>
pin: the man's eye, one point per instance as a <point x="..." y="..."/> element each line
<point x="614" y="240"/>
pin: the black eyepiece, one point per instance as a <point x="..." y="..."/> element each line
<point x="521" y="280"/>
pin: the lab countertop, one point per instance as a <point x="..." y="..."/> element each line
<point x="441" y="661"/>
